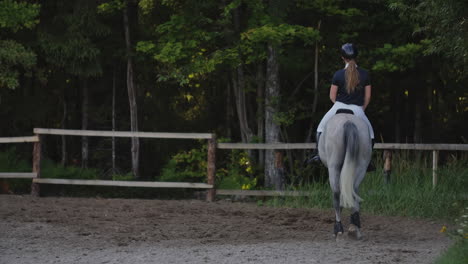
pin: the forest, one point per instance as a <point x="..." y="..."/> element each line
<point x="246" y="70"/>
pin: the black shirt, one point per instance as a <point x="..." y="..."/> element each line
<point x="356" y="97"/>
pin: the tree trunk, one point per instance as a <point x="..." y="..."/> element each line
<point x="131" y="95"/>
<point x="84" y="124"/>
<point x="314" y="105"/>
<point x="397" y="93"/>
<point x="114" y="170"/>
<point x="260" y="78"/>
<point x="272" y="130"/>
<point x="64" y="126"/>
<point x="238" y="83"/>
<point x="229" y="111"/>
<point x="417" y="137"/>
<point x="311" y="130"/>
<point x="435" y="114"/>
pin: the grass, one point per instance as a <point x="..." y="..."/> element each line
<point x="410" y="192"/>
<point x="457" y="254"/>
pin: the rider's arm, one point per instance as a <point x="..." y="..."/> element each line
<point x="333" y="92"/>
<point x="367" y="96"/>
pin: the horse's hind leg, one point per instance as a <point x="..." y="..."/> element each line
<point x="355" y="226"/>
<point x="355" y="220"/>
<point x="335" y="186"/>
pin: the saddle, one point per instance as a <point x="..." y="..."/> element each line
<point x="344" y="111"/>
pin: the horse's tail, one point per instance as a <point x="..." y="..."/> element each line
<point x="348" y="172"/>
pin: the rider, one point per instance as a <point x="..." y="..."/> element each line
<point x="350" y="89"/>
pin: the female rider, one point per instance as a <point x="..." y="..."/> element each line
<point x="350" y="89"/>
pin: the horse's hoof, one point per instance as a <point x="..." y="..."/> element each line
<point x="354" y="232"/>
<point x="339" y="237"/>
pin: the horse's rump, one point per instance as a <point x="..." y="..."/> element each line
<point x="345" y="149"/>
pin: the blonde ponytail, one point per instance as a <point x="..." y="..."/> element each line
<point x="351" y="76"/>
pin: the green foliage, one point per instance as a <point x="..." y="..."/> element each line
<point x="281" y="34"/>
<point x="236" y="181"/>
<point x="460" y="232"/>
<point x="236" y="172"/>
<point x="182" y="47"/>
<point x="14" y="56"/>
<point x="72" y="46"/>
<point x="186" y="166"/>
<point x="51" y="170"/>
<point x="328" y="7"/>
<point x="443" y="22"/>
<point x="10" y="161"/>
<point x="194" y="43"/>
<point x="400" y="58"/>
<point x="457" y="254"/>
<point x="17" y="15"/>
<point x="123" y="177"/>
<point x="285" y="118"/>
<point x="111" y="6"/>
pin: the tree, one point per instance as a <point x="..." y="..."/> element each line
<point x="14" y="56"/>
<point x="442" y="23"/>
<point x="128" y="12"/>
<point x="68" y="39"/>
<point x="180" y="48"/>
<point x="131" y="91"/>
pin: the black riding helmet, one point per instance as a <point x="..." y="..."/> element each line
<point x="349" y="51"/>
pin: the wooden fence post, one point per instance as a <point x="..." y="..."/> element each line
<point x="36" y="166"/>
<point x="279" y="183"/>
<point x="387" y="155"/>
<point x="435" y="158"/>
<point x="210" y="196"/>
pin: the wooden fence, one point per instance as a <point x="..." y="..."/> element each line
<point x="23" y="175"/>
<point x="387" y="147"/>
<point x="211" y="162"/>
<point x="37" y="155"/>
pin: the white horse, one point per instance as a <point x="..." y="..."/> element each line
<point x="345" y="149"/>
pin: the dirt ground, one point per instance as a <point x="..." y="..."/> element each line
<point x="93" y="230"/>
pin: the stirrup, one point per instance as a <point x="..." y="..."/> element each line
<point x="313" y="158"/>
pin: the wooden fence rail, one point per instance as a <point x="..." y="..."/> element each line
<point x="40" y="132"/>
<point x="387" y="147"/>
<point x="211" y="162"/>
<point x="99" y="133"/>
<point x="19" y="139"/>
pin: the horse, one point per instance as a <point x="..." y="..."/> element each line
<point x="345" y="149"/>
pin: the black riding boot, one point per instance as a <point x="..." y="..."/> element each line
<point x="371" y="166"/>
<point x="316" y="156"/>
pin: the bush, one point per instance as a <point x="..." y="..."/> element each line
<point x="10" y="162"/>
<point x="237" y="172"/>
<point x="187" y="166"/>
<point x="50" y="169"/>
<point x="234" y="170"/>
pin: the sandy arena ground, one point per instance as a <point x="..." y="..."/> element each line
<point x="91" y="230"/>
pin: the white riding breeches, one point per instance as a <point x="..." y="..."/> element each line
<point x="358" y="111"/>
